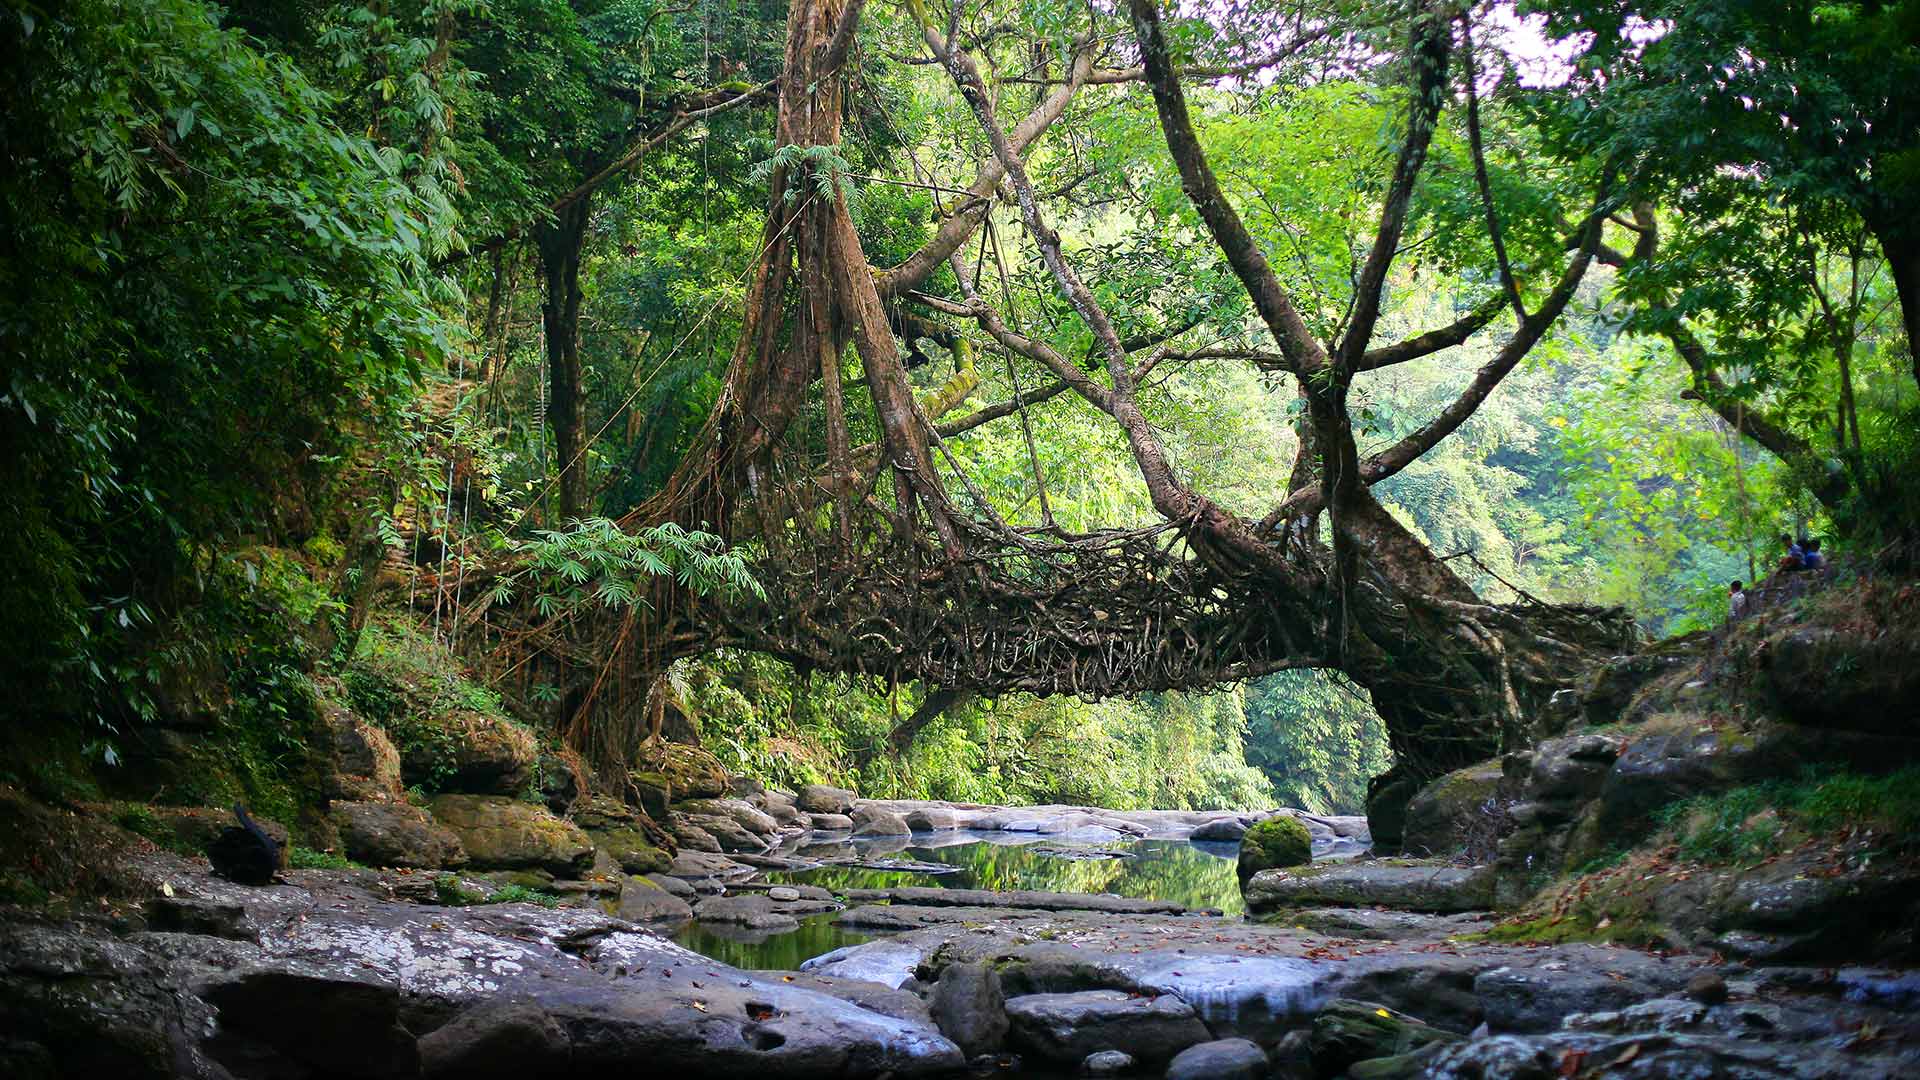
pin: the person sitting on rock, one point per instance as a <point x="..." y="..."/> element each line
<point x="1796" y="556"/>
<point x="1810" y="555"/>
<point x="1736" y="600"/>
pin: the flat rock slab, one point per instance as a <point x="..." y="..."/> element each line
<point x="322" y="991"/>
<point x="1066" y="1028"/>
<point x="1383" y="924"/>
<point x="1407" y="886"/>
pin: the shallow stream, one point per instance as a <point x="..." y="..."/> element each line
<point x="1198" y="875"/>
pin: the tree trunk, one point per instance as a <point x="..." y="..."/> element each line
<point x="561" y="244"/>
<point x="1899" y="238"/>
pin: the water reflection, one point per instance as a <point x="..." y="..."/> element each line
<point x="1199" y="875"/>
<point x="758" y="949"/>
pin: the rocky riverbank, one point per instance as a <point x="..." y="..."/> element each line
<point x="386" y="974"/>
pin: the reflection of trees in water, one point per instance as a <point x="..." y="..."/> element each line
<point x="1170" y="870"/>
<point x="751" y="949"/>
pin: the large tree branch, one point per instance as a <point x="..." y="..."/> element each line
<point x="954" y="231"/>
<point x="1432" y="42"/>
<point x="1433" y="341"/>
<point x="1378" y="467"/>
<point x="1303" y="354"/>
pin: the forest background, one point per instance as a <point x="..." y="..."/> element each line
<point x="306" y="301"/>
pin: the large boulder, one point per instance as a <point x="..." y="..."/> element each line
<point x="644" y="900"/>
<point x="395" y="834"/>
<point x="499" y="833"/>
<point x="871" y="820"/>
<point x="739" y="811"/>
<point x="363" y="764"/>
<point x="1460" y="810"/>
<point x="1841" y="677"/>
<point x="466" y="751"/>
<point x="821" y="799"/>
<point x="970" y="1008"/>
<point x="1066" y="1028"/>
<point x="620" y="835"/>
<point x="1277" y="842"/>
<point x="725" y="831"/>
<point x="685" y="772"/>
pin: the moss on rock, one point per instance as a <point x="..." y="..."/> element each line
<point x="1279" y="841"/>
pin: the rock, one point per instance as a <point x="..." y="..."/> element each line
<point x="1387" y="797"/>
<point x="830" y="822"/>
<point x="1457" y="810"/>
<point x="779" y="806"/>
<point x="931" y="819"/>
<point x="191" y="915"/>
<point x="725" y="831"/>
<point x="499" y="833"/>
<point x="686" y="772"/>
<point x="93" y="1005"/>
<point x="651" y="792"/>
<point x="1348" y="1031"/>
<point x="1065" y="1028"/>
<point x="737" y="811"/>
<point x="1106" y="1063"/>
<point x="1368" y="884"/>
<point x="365" y="765"/>
<point x="821" y="799"/>
<point x="494" y="1041"/>
<point x="1707" y="988"/>
<point x="691" y="836"/>
<point x="676" y="886"/>
<point x="702" y="864"/>
<point x="395" y="834"/>
<point x="644" y="900"/>
<point x="195" y="827"/>
<point x="1223" y="830"/>
<point x="871" y="996"/>
<point x="783" y="893"/>
<point x="1222" y="1059"/>
<point x="1834" y="677"/>
<point x="1633" y="1057"/>
<point x="1279" y="841"/>
<point x="1023" y="898"/>
<point x="969" y="1008"/>
<point x="595" y="812"/>
<point x="562" y="777"/>
<point x="758" y="912"/>
<point x="876" y="821"/>
<point x="467" y="751"/>
<point x="1536" y="1000"/>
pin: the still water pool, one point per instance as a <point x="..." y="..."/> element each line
<point x="1197" y="875"/>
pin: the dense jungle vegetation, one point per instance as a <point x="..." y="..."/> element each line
<point x="332" y="330"/>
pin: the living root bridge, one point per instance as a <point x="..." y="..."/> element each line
<point x="1094" y="615"/>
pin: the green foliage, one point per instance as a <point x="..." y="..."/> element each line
<point x="596" y="561"/>
<point x="451" y="892"/>
<point x="303" y="858"/>
<point x="208" y="280"/>
<point x="1749" y="823"/>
